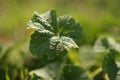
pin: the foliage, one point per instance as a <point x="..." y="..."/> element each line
<point x="57" y="53"/>
<point x="112" y="53"/>
<point x="53" y="36"/>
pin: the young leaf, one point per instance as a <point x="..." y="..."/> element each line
<point x="51" y="18"/>
<point x="53" y="36"/>
<point x="62" y="43"/>
<point x="68" y="26"/>
<point x="39" y="45"/>
<point x="43" y="23"/>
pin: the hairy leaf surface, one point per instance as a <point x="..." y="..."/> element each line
<point x="61" y="43"/>
<point x="68" y="26"/>
<point x="39" y="45"/>
<point x="53" y="35"/>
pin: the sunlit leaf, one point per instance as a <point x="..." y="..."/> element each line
<point x="44" y="23"/>
<point x="68" y="26"/>
<point x="61" y="43"/>
<point x="52" y="36"/>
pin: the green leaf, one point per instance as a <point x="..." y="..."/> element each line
<point x="68" y="26"/>
<point x="109" y="45"/>
<point x="105" y="43"/>
<point x="52" y="36"/>
<point x="109" y="66"/>
<point x="44" y="23"/>
<point x="39" y="45"/>
<point x="115" y="54"/>
<point x="74" y="73"/>
<point x="51" y="18"/>
<point x="62" y="43"/>
<point x="49" y="72"/>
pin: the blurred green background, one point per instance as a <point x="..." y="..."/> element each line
<point x="96" y="16"/>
